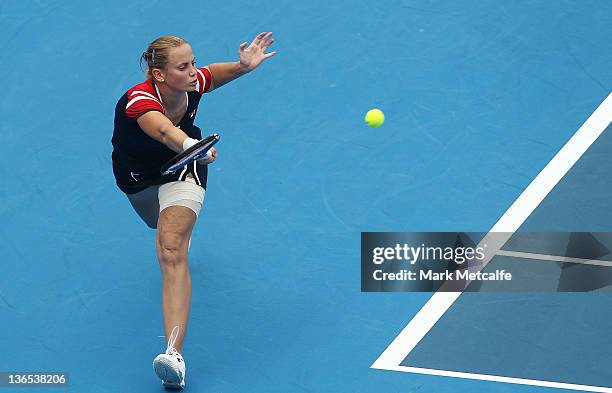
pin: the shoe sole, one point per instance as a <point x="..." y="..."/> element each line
<point x="168" y="374"/>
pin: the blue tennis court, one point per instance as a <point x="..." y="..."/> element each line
<point x="479" y="97"/>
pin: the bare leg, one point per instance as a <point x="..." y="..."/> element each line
<point x="173" y="232"/>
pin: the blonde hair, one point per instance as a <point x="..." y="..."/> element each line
<point x="156" y="55"/>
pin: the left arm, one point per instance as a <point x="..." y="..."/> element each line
<point x="249" y="58"/>
<point x="223" y="73"/>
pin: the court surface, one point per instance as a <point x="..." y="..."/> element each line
<point x="479" y="97"/>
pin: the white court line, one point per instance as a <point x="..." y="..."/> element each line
<point x="509" y="222"/>
<point x="554" y="258"/>
<point x="495" y="378"/>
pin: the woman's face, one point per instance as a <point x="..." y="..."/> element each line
<point x="180" y="72"/>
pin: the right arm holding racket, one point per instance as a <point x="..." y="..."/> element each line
<point x="159" y="127"/>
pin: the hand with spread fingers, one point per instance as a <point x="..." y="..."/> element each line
<point x="253" y="55"/>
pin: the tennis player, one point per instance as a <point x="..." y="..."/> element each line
<point x="154" y="121"/>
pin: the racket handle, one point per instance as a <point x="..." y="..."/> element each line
<point x="207" y="156"/>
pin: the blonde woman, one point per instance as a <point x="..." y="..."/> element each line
<point x="154" y="121"/>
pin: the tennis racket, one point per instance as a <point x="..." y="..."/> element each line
<point x="195" y="152"/>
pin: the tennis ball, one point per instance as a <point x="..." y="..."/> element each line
<point x="375" y="118"/>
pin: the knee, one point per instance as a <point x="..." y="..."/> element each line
<point x="171" y="251"/>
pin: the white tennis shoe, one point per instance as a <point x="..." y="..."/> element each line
<point x="170" y="366"/>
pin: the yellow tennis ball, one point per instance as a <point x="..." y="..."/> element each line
<point x="375" y="118"/>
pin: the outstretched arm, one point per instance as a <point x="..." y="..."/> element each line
<point x="249" y="58"/>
